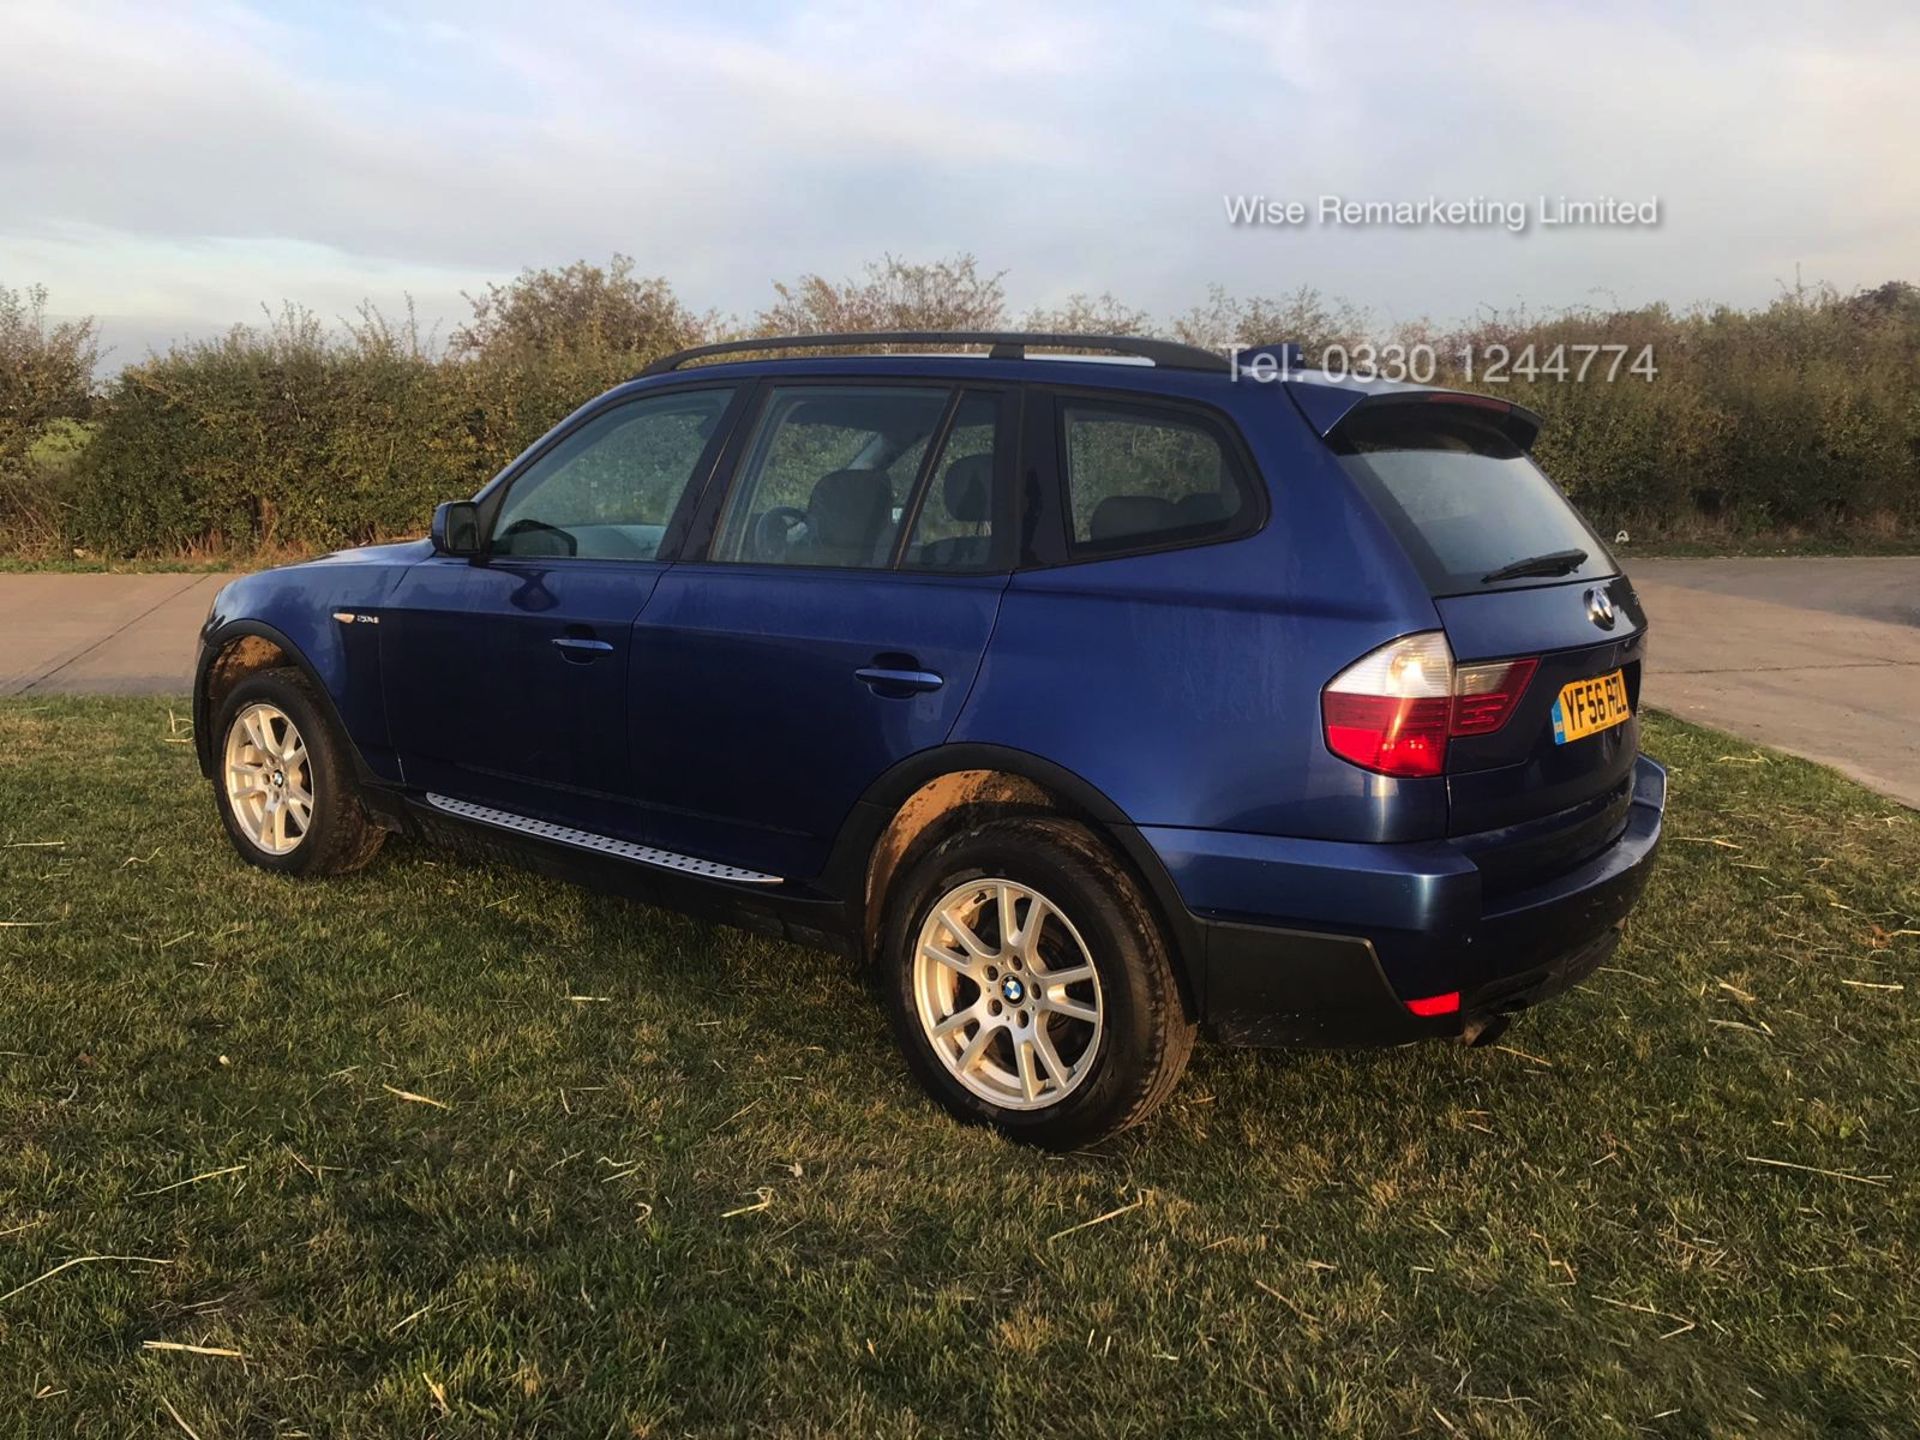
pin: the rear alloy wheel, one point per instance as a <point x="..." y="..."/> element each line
<point x="1029" y="982"/>
<point x="1007" y="994"/>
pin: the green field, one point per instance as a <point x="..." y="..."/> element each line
<point x="443" y="1149"/>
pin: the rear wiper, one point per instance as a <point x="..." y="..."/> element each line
<point x="1554" y="562"/>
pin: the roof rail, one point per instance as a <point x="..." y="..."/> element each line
<point x="1004" y="345"/>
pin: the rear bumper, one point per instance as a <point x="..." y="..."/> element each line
<point x="1321" y="943"/>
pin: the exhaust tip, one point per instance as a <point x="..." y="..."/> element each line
<point x="1484" y="1029"/>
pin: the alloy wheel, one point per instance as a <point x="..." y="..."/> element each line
<point x="1007" y="994"/>
<point x="269" y="786"/>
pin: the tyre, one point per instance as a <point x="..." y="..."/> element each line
<point x="284" y="780"/>
<point x="1029" y="983"/>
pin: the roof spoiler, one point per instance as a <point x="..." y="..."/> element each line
<point x="1329" y="407"/>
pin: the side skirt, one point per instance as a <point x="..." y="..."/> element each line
<point x="765" y="904"/>
<point x="600" y="844"/>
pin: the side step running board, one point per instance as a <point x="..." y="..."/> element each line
<point x="600" y="844"/>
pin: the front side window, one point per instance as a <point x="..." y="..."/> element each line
<point x="827" y="475"/>
<point x="1139" y="478"/>
<point x="608" y="490"/>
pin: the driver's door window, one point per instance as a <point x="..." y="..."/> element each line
<point x="608" y="490"/>
<point x="827" y="475"/>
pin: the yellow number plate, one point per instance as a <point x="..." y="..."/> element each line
<point x="1586" y="707"/>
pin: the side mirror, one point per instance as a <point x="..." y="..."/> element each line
<point x="456" y="528"/>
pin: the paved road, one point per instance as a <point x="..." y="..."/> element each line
<point x="1872" y="588"/>
<point x="101" y="634"/>
<point x="1819" y="657"/>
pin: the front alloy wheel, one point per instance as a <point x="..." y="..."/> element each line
<point x="266" y="776"/>
<point x="284" y="779"/>
<point x="1007" y="994"/>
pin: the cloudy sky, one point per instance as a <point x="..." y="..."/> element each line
<point x="170" y="166"/>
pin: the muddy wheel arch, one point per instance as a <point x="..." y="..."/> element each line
<point x="922" y="801"/>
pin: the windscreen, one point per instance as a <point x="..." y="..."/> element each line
<point x="1465" y="500"/>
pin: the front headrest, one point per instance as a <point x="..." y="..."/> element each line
<point x="848" y="510"/>
<point x="968" y="487"/>
<point x="1120" y="515"/>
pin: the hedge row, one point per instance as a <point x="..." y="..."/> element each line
<point x="1802" y="418"/>
<point x="46" y="393"/>
<point x="297" y="440"/>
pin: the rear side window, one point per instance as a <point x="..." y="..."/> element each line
<point x="1464" y="499"/>
<point x="1140" y="478"/>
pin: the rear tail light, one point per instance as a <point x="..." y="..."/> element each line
<point x="1484" y="695"/>
<point x="1428" y="1006"/>
<point x="1392" y="711"/>
<point x="1389" y="711"/>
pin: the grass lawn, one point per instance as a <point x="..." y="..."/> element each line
<point x="445" y="1149"/>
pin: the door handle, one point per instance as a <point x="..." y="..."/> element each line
<point x="578" y="647"/>
<point x="887" y="681"/>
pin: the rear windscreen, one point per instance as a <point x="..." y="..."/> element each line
<point x="1463" y="498"/>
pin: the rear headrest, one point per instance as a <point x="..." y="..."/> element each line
<point x="1119" y="515"/>
<point x="1204" y="507"/>
<point x="968" y="486"/>
<point x="847" y="512"/>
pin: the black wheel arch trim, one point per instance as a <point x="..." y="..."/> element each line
<point x="212" y="642"/>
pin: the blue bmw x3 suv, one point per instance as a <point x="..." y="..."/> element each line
<point x="1096" y="699"/>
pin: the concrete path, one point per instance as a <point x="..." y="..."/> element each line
<point x="1815" y="656"/>
<point x="101" y="634"/>
<point x="1820" y="657"/>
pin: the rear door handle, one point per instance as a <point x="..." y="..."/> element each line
<point x="899" y="682"/>
<point x="579" y="647"/>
